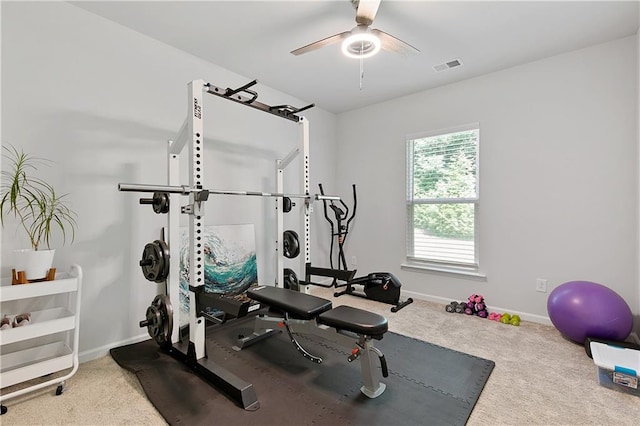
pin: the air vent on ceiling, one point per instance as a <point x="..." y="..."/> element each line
<point x="448" y="65"/>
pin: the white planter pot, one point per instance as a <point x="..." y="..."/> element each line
<point x="35" y="263"/>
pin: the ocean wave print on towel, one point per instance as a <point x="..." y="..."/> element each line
<point x="230" y="266"/>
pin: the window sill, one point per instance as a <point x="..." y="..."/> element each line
<point x="460" y="272"/>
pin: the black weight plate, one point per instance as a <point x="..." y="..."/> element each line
<point x="290" y="244"/>
<point x="160" y="320"/>
<point x="155" y="261"/>
<point x="291" y="280"/>
<point x="286" y="204"/>
<point x="161" y="202"/>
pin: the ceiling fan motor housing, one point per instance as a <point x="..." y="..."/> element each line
<point x="361" y="43"/>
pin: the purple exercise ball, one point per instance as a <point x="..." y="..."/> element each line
<point x="581" y="309"/>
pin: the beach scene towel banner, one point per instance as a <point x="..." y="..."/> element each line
<point x="230" y="264"/>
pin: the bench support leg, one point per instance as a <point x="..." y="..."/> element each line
<point x="255" y="337"/>
<point x="372" y="386"/>
<point x="265" y="327"/>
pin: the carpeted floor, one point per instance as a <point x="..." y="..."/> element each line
<point x="329" y="393"/>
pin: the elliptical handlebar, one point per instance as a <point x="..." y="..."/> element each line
<point x="342" y="229"/>
<point x="340" y="214"/>
<point x="355" y="205"/>
<point x="326" y="216"/>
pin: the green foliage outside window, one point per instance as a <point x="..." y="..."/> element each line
<point x="444" y="167"/>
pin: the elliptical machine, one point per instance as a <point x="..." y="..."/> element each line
<point x="379" y="286"/>
<point x="339" y="229"/>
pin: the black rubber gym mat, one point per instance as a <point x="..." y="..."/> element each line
<point x="427" y="384"/>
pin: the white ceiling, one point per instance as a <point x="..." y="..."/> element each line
<point x="254" y="39"/>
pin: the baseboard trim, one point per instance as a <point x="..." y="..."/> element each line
<point x="96" y="353"/>
<point x="524" y="316"/>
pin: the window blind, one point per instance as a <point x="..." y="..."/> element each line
<point x="442" y="196"/>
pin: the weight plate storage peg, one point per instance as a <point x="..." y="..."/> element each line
<point x="159" y="321"/>
<point x="159" y="202"/>
<point x="155" y="261"/>
<point x="290" y="244"/>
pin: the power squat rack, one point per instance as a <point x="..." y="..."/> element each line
<point x="158" y="266"/>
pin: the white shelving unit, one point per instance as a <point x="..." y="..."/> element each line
<point x="49" y="343"/>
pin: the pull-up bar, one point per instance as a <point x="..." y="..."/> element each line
<point x="186" y="190"/>
<point x="285" y="111"/>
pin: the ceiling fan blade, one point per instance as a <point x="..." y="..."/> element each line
<point x="366" y="11"/>
<point x="394" y="44"/>
<point x="321" y="43"/>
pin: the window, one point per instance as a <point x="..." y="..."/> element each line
<point x="442" y="198"/>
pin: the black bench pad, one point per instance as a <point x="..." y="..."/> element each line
<point x="300" y="305"/>
<point x="355" y="320"/>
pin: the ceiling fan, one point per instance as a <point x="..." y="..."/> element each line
<point x="361" y="41"/>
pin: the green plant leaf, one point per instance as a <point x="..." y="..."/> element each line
<point x="33" y="201"/>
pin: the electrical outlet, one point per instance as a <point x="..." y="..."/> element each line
<point x="541" y="285"/>
<point x="354" y="261"/>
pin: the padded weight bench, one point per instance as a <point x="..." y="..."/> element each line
<point x="306" y="314"/>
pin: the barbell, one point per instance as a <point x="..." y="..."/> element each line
<point x="186" y="190"/>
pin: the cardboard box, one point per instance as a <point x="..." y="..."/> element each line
<point x="618" y="367"/>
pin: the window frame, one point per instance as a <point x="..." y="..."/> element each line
<point x="435" y="264"/>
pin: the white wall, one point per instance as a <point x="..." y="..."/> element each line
<point x="558" y="176"/>
<point x="101" y="101"/>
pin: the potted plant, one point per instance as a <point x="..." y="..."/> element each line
<point x="37" y="208"/>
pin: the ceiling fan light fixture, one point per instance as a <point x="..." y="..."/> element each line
<point x="361" y="45"/>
